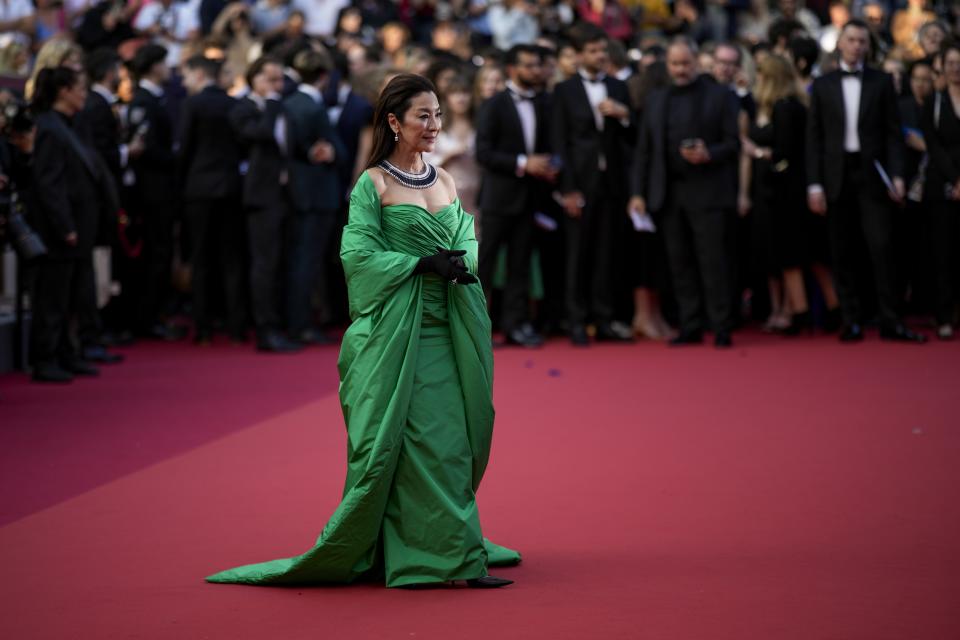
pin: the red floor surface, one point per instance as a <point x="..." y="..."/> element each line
<point x="782" y="490"/>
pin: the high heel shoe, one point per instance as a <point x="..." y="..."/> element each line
<point x="799" y="323"/>
<point x="488" y="582"/>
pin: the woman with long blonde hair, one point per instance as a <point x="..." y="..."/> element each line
<point x="56" y="52"/>
<point x="781" y="220"/>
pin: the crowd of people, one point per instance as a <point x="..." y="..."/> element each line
<point x="636" y="168"/>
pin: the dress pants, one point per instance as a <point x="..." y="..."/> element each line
<point x="58" y="288"/>
<point x="862" y="212"/>
<point x="217" y="236"/>
<point x="697" y="252"/>
<point x="589" y="245"/>
<point x="268" y="231"/>
<point x="516" y="233"/>
<point x="946" y="248"/>
<point x="153" y="278"/>
<point x="310" y="239"/>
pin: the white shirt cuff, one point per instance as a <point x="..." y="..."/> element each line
<point x="814" y="189"/>
<point x="521" y="164"/>
<point x="124" y="155"/>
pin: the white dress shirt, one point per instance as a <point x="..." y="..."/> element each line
<point x="311" y="91"/>
<point x="523" y="101"/>
<point x="852" y="88"/>
<point x="596" y="93"/>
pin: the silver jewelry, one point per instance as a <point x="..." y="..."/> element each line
<point x="454" y="281"/>
<point x="396" y="136"/>
<point x="423" y="180"/>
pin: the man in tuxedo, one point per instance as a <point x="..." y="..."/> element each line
<point x="155" y="190"/>
<point x="209" y="165"/>
<point x="591" y="124"/>
<point x="854" y="170"/>
<point x="513" y="150"/>
<point x="260" y="125"/>
<point x="684" y="171"/>
<point x="315" y="149"/>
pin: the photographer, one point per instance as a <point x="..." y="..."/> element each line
<point x="17" y="135"/>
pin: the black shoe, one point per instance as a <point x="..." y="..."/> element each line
<point x="851" y="333"/>
<point x="832" y="320"/>
<point x="614" y="332"/>
<point x="722" y="340"/>
<point x="313" y="337"/>
<point x="80" y="368"/>
<point x="900" y="333"/>
<point x="488" y="582"/>
<point x="275" y="342"/>
<point x="203" y="337"/>
<point x="239" y="337"/>
<point x="799" y="323"/>
<point x="51" y="373"/>
<point x="168" y="332"/>
<point x="578" y="336"/>
<point x="100" y="354"/>
<point x="117" y="339"/>
<point x="687" y="337"/>
<point x="524" y="336"/>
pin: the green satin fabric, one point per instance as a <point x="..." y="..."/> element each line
<point x="416" y="382"/>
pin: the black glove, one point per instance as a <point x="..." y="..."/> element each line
<point x="448" y="265"/>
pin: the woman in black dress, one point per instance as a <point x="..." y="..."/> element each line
<point x="940" y="121"/>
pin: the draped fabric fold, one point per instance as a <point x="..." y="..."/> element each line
<point x="416" y="383"/>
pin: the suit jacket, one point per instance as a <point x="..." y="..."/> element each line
<point x="881" y="138"/>
<point x="209" y="150"/>
<point x="357" y="114"/>
<point x="155" y="168"/>
<point x="577" y="140"/>
<point x="313" y="187"/>
<point x="255" y="130"/>
<point x="712" y="185"/>
<point x="68" y="189"/>
<point x="99" y="126"/>
<point x="499" y="141"/>
<point x="941" y="131"/>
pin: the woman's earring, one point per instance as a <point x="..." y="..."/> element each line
<point x="396" y="136"/>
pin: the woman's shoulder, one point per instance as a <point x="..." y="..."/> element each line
<point x="445" y="179"/>
<point x="378" y="179"/>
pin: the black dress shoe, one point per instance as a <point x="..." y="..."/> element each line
<point x="168" y="332"/>
<point x="578" y="336"/>
<point x="524" y="336"/>
<point x="203" y="337"/>
<point x="799" y="323"/>
<point x="313" y="337"/>
<point x="275" y="342"/>
<point x="722" y="340"/>
<point x="687" y="337"/>
<point x="100" y="354"/>
<point x="851" y="333"/>
<point x="51" y="373"/>
<point x="80" y="368"/>
<point x="488" y="582"/>
<point x="832" y="320"/>
<point x="614" y="332"/>
<point x="900" y="333"/>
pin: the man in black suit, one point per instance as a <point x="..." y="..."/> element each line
<point x="260" y="125"/>
<point x="513" y="148"/>
<point x="854" y="142"/>
<point x="315" y="149"/>
<point x="209" y="165"/>
<point x="591" y="125"/>
<point x="685" y="166"/>
<point x="155" y="190"/>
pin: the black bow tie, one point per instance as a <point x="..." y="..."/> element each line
<point x="597" y="80"/>
<point x="857" y="73"/>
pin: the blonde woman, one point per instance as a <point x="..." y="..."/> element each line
<point x="489" y="82"/>
<point x="57" y="52"/>
<point x="781" y="220"/>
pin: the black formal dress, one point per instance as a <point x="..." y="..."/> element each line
<point x="209" y="163"/>
<point x="266" y="202"/>
<point x="941" y="131"/>
<point x="692" y="202"/>
<point x="69" y="197"/>
<point x="594" y="152"/>
<point x="779" y="190"/>
<point x="154" y="200"/>
<point x="315" y="192"/>
<point x="509" y="197"/>
<point x="858" y="207"/>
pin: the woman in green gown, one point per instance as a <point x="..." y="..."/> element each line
<point x="416" y="375"/>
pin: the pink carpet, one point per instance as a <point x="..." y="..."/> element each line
<point x="782" y="490"/>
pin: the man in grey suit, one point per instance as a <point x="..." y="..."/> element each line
<point x="315" y="148"/>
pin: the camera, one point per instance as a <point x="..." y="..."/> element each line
<point x="17" y="121"/>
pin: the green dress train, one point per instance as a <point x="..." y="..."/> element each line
<point x="416" y="382"/>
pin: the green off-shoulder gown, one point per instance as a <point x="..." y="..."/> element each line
<point x="416" y="381"/>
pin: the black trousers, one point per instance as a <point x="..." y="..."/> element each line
<point x="698" y="252"/>
<point x="217" y="234"/>
<point x="153" y="278"/>
<point x="862" y="213"/>
<point x="590" y="285"/>
<point x="946" y="249"/>
<point x="269" y="234"/>
<point x="57" y="290"/>
<point x="516" y="234"/>
<point x="306" y="261"/>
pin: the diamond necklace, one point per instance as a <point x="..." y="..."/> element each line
<point x="423" y="180"/>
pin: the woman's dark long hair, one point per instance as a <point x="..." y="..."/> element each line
<point x="395" y="98"/>
<point x="49" y="83"/>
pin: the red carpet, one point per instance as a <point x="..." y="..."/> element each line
<point x="783" y="490"/>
